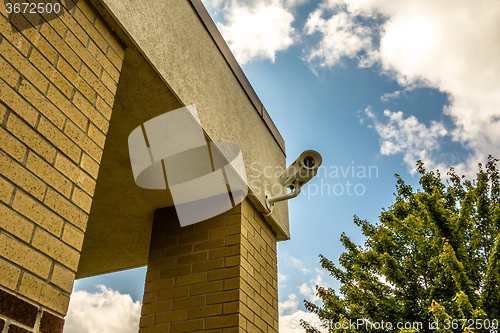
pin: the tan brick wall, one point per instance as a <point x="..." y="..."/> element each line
<point x="58" y="79"/>
<point x="260" y="272"/>
<point x="218" y="275"/>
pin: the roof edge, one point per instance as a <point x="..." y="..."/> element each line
<point x="238" y="72"/>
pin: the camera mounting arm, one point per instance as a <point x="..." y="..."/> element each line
<point x="302" y="170"/>
<point x="295" y="192"/>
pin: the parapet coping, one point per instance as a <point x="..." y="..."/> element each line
<point x="238" y="72"/>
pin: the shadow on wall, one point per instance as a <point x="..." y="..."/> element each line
<point x="25" y="14"/>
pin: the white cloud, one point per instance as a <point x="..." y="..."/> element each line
<point x="297" y="263"/>
<point x="105" y="312"/>
<point x="342" y="36"/>
<point x="282" y="277"/>
<point x="290" y="316"/>
<point x="291" y="323"/>
<point x="290" y="305"/>
<point x="309" y="289"/>
<point x="216" y="4"/>
<point x="449" y="45"/>
<point x="295" y="3"/>
<point x="408" y="136"/>
<point x="393" y="95"/>
<point x="257" y="29"/>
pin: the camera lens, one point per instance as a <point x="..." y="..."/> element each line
<point x="309" y="162"/>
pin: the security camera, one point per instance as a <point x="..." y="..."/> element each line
<point x="302" y="170"/>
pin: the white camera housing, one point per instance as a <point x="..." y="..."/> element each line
<point x="302" y="170"/>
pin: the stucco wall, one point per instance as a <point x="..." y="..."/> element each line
<point x="175" y="42"/>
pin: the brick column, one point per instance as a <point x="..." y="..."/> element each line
<point x="219" y="275"/>
<point x="58" y="77"/>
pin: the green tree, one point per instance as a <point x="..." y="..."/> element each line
<point x="433" y="256"/>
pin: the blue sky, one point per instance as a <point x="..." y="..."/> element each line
<point x="367" y="84"/>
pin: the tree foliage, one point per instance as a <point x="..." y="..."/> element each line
<point x="433" y="257"/>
